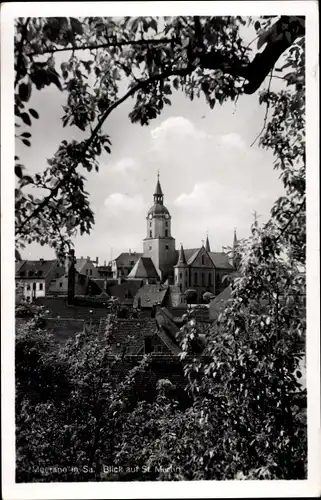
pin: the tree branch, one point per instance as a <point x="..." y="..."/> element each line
<point x="105" y="45"/>
<point x="132" y="91"/>
<point x="266" y="113"/>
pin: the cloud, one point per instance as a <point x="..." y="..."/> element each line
<point x="125" y="165"/>
<point x="117" y="203"/>
<point x="199" y="197"/>
<point x="232" y="140"/>
<point x="177" y="126"/>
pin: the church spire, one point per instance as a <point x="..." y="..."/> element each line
<point x="181" y="258"/>
<point x="207" y="243"/>
<point x="158" y="194"/>
<point x="235" y="240"/>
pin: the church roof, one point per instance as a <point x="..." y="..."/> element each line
<point x="181" y="258"/>
<point x="220" y="260"/>
<point x="207" y="244"/>
<point x="144" y="268"/>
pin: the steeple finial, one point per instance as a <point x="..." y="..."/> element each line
<point x="158" y="195"/>
<point x="207" y="243"/>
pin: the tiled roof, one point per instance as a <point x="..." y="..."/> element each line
<point x="125" y="258"/>
<point x="217" y="305"/>
<point x="100" y="282"/>
<point x="144" y="268"/>
<point x="129" y="334"/>
<point x="35" y="268"/>
<point x="165" y="321"/>
<point x="172" y="346"/>
<point x="150" y="295"/>
<point x="125" y="290"/>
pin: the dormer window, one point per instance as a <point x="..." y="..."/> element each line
<point x="203" y="260"/>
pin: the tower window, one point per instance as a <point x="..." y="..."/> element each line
<point x="150" y="234"/>
<point x="180" y="275"/>
<point x="150" y="224"/>
<point x="166" y="233"/>
<point x="166" y="247"/>
<point x="166" y="224"/>
<point x="150" y="247"/>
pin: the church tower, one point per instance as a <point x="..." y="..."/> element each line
<point x="159" y="244"/>
<point x="181" y="271"/>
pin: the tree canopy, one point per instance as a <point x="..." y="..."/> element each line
<point x="198" y="55"/>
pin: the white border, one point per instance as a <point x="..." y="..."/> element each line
<point x="196" y="489"/>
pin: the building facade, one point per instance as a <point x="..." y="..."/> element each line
<point x="196" y="268"/>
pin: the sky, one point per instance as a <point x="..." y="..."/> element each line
<point x="212" y="179"/>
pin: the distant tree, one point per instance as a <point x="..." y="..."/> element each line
<point x="199" y="55"/>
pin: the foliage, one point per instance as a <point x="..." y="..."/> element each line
<point x="198" y="55"/>
<point x="245" y="421"/>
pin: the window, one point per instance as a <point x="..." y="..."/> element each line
<point x="166" y="233"/>
<point x="30" y="273"/>
<point x="166" y="224"/>
<point x="91" y="272"/>
<point x="180" y="275"/>
<point x="148" y="347"/>
<point x="87" y="272"/>
<point x="60" y="284"/>
<point x="150" y="248"/>
<point x="40" y="286"/>
<point x="28" y="286"/>
<point x="203" y="260"/>
<point x="166" y="247"/>
<point x="203" y="279"/>
<point x="210" y="279"/>
<point x="150" y="234"/>
<point x="150" y="224"/>
<point x="195" y="278"/>
<point x="131" y="263"/>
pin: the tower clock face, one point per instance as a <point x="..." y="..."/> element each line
<point x="150" y="216"/>
<point x="166" y="216"/>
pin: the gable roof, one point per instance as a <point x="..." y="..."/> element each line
<point x="144" y="268"/>
<point x="124" y="258"/>
<point x="129" y="334"/>
<point x="150" y="295"/>
<point x="35" y="268"/>
<point x="80" y="263"/>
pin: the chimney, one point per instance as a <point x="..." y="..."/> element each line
<point x="96" y="262"/>
<point x="41" y="261"/>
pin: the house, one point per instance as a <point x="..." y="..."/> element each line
<point x="124" y="263"/>
<point x="33" y="277"/>
<point x="150" y="295"/>
<point x="86" y="267"/>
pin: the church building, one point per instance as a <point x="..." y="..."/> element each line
<point x="195" y="268"/>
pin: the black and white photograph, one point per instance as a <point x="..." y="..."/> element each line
<point x="160" y="305"/>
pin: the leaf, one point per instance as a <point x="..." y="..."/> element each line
<point x="76" y="26"/>
<point x="25" y="134"/>
<point x="25" y="118"/>
<point x="54" y="77"/>
<point x="18" y="171"/>
<point x="107" y="149"/>
<point x="33" y="113"/>
<point x="26" y="142"/>
<point x="257" y="25"/>
<point x="25" y="91"/>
